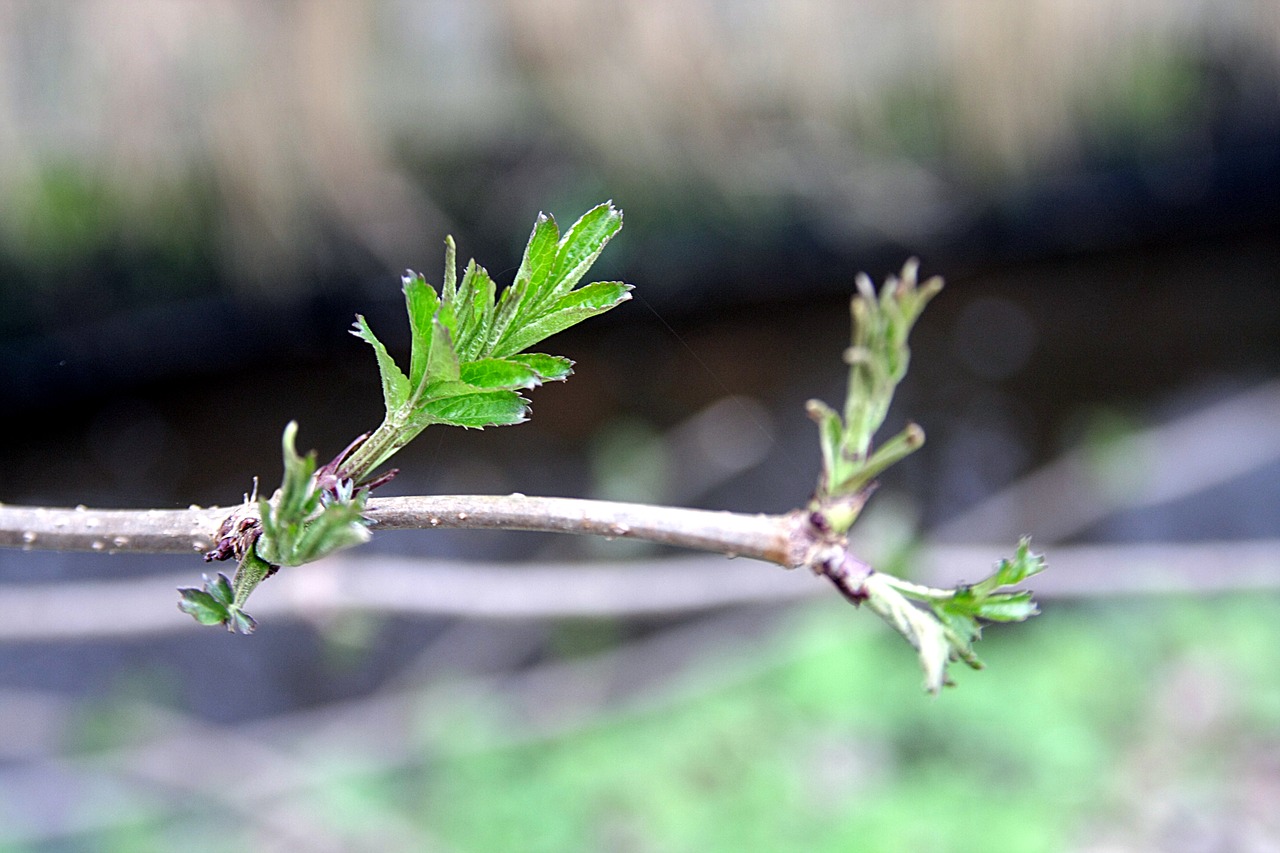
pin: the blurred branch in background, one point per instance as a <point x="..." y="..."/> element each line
<point x="409" y="587"/>
<point x="293" y="755"/>
<point x="148" y="785"/>
<point x="375" y="771"/>
<point x="1128" y="470"/>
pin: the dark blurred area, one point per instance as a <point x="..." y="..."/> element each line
<point x="196" y="198"/>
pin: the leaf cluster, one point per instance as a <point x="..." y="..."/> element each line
<point x="989" y="600"/>
<point x="215" y="604"/>
<point x="304" y="521"/>
<point x="950" y="621"/>
<point x="942" y="624"/>
<point x="467" y="360"/>
<point x="877" y="357"/>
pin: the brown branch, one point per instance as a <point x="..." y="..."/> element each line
<point x="780" y="539"/>
<point x="777" y="539"/>
<point x="146" y="531"/>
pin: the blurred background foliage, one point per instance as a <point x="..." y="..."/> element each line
<point x="195" y="197"/>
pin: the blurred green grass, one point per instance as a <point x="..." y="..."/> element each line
<point x="833" y="747"/>
<point x="1094" y="722"/>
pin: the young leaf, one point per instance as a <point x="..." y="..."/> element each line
<point x="567" y="311"/>
<point x="495" y="374"/>
<point x="531" y="298"/>
<point x="421" y="300"/>
<point x="583" y="244"/>
<point x="241" y="622"/>
<point x="466" y="363"/>
<point x="443" y="366"/>
<point x="474" y="307"/>
<point x="220" y="589"/>
<point x="1008" y="607"/>
<point x="449" y="287"/>
<point x="202" y="604"/>
<point x="299" y="525"/>
<point x="877" y="359"/>
<point x="531" y="280"/>
<point x="395" y="385"/>
<point x="1024" y="564"/>
<point x="215" y="605"/>
<point x="550" y="368"/>
<point x="830" y="432"/>
<point x="946" y="623"/>
<point x="922" y="630"/>
<point x="476" y="411"/>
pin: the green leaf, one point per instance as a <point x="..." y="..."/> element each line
<point x="474" y="307"/>
<point x="476" y="411"/>
<point x="1009" y="572"/>
<point x="339" y="525"/>
<point x="499" y="374"/>
<point x="453" y="388"/>
<point x="395" y="385"/>
<point x="450" y="284"/>
<point x="582" y="244"/>
<point x="213" y="605"/>
<point x="568" y="311"/>
<point x="983" y="600"/>
<point x="241" y="622"/>
<point x="533" y="284"/>
<point x="299" y="540"/>
<point x="298" y="495"/>
<point x="595" y="297"/>
<point x="421" y="300"/>
<point x="522" y="299"/>
<point x="1024" y="564"/>
<point x="443" y="365"/>
<point x="550" y="368"/>
<point x="1008" y="607"/>
<point x="220" y="589"/>
<point x="202" y="605"/>
<point x="965" y="627"/>
<point x="961" y="633"/>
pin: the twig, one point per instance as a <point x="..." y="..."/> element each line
<point x="773" y="538"/>
<point x="144" y="531"/>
